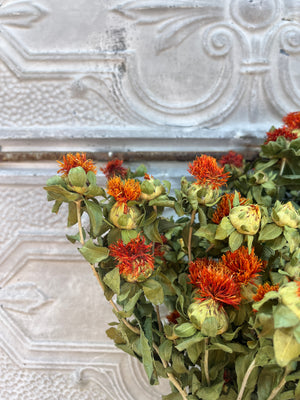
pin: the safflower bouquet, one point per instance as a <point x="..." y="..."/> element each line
<point x="208" y="298"/>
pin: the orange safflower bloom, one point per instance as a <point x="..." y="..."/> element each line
<point x="134" y="258"/>
<point x="224" y="206"/>
<point x="123" y="192"/>
<point x="216" y="284"/>
<point x="207" y="172"/>
<point x="173" y="317"/>
<point x="280" y="132"/>
<point x="114" y="168"/>
<point x="72" y="161"/>
<point x="196" y="266"/>
<point x="263" y="289"/>
<point x="292" y="120"/>
<point x="232" y="158"/>
<point x="244" y="267"/>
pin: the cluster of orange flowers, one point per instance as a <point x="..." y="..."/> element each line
<point x="292" y="122"/>
<point x="207" y="172"/>
<point x="222" y="280"/>
<point x="132" y="257"/>
<point x="124" y="191"/>
<point x="72" y="161"/>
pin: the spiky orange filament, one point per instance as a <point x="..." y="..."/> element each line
<point x="72" y="161"/>
<point x="292" y="120"/>
<point x="244" y="267"/>
<point x="224" y="206"/>
<point x="212" y="282"/>
<point x="232" y="158"/>
<point x="207" y="172"/>
<point x="133" y="256"/>
<point x="196" y="266"/>
<point x="124" y="191"/>
<point x="114" y="168"/>
<point x="280" y="132"/>
<point x="263" y="289"/>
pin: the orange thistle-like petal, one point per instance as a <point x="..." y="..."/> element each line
<point x="132" y="257"/>
<point x="207" y="172"/>
<point x="280" y="132"/>
<point x="159" y="248"/>
<point x="114" y="168"/>
<point x="173" y="317"/>
<point x="214" y="283"/>
<point x="292" y="120"/>
<point x="196" y="266"/>
<point x="224" y="206"/>
<point x="244" y="267"/>
<point x="72" y="161"/>
<point x="232" y="158"/>
<point x="263" y="289"/>
<point x="124" y="191"/>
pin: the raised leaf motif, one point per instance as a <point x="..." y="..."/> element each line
<point x="22" y="13"/>
<point x="22" y="297"/>
<point x="177" y="19"/>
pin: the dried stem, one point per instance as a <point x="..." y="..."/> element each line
<point x="277" y="389"/>
<point x="206" y="370"/>
<point x="158" y="319"/>
<point x="171" y="376"/>
<point x="134" y="329"/>
<point x="190" y="235"/>
<point x="282" y="165"/>
<point x="245" y="380"/>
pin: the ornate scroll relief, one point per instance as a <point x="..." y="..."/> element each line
<point x="248" y="52"/>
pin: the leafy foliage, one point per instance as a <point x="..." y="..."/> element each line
<point x="208" y="347"/>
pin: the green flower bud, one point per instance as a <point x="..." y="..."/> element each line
<point x="293" y="270"/>
<point x="290" y="298"/>
<point x="202" y="194"/>
<point x="122" y="219"/>
<point x="140" y="274"/>
<point x="246" y="219"/>
<point x="285" y="215"/>
<point x="199" y="312"/>
<point x="150" y="190"/>
<point x="77" y="180"/>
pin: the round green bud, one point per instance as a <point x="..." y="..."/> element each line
<point x="203" y="194"/>
<point x="199" y="312"/>
<point x="124" y="216"/>
<point x="246" y="219"/>
<point x="285" y="215"/>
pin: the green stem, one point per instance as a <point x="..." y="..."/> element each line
<point x="134" y="329"/>
<point x="190" y="235"/>
<point x="277" y="389"/>
<point x="245" y="380"/>
<point x="206" y="370"/>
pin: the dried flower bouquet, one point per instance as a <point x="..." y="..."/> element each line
<point x="226" y="265"/>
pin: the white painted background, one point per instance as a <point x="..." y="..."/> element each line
<point x="113" y="75"/>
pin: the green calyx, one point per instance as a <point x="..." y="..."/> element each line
<point x="285" y="215"/>
<point x="124" y="216"/>
<point x="246" y="219"/>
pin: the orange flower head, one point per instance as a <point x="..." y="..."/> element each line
<point x="280" y="132"/>
<point x="224" y="206"/>
<point x="263" y="289"/>
<point x="292" y="120"/>
<point x="173" y="317"/>
<point x="232" y="158"/>
<point x="207" y="172"/>
<point x="243" y="266"/>
<point x="114" y="168"/>
<point x="72" y="161"/>
<point x="196" y="266"/>
<point x="214" y="283"/>
<point x="135" y="260"/>
<point x="124" y="191"/>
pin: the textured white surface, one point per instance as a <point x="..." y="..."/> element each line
<point x="104" y="76"/>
